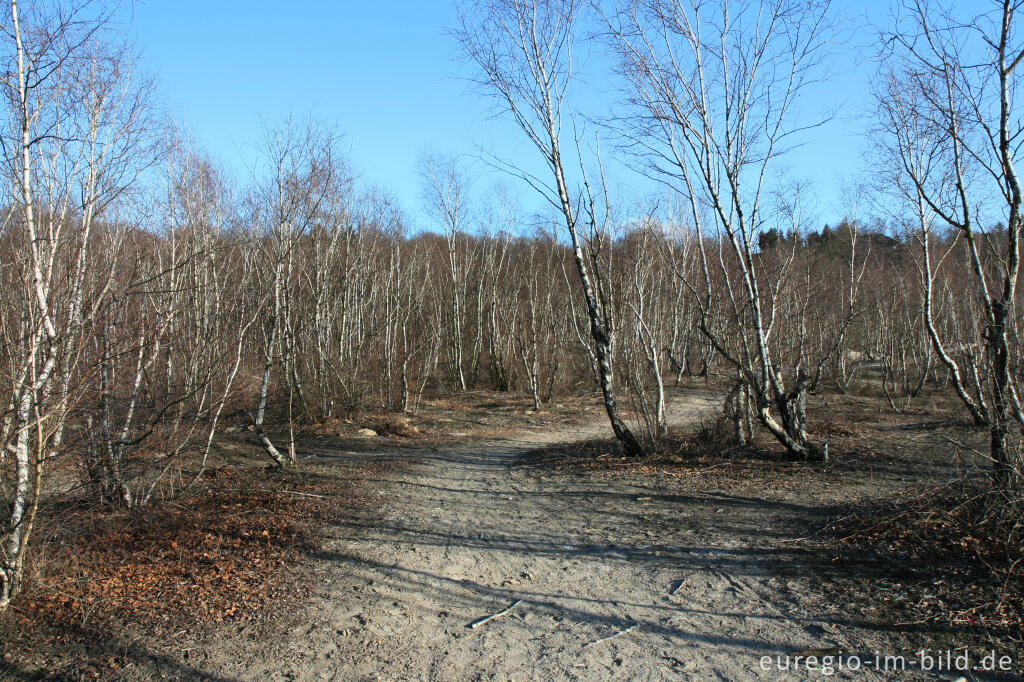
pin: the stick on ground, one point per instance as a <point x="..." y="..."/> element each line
<point x="632" y="627"/>
<point x="494" y="616"/>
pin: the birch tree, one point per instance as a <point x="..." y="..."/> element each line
<point x="301" y="171"/>
<point x="711" y="88"/>
<point x="953" y="129"/>
<point x="72" y="141"/>
<point x="446" y="189"/>
<point x="523" y="51"/>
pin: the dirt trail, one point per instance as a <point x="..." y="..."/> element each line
<point x="612" y="578"/>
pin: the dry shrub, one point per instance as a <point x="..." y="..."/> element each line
<point x="964" y="541"/>
<point x="395" y="425"/>
<point x="715" y="436"/>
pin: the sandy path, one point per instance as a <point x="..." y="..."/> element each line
<point x="690" y="580"/>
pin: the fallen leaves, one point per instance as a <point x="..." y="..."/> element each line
<point x="961" y="552"/>
<point x="222" y="555"/>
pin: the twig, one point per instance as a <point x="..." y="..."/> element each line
<point x="707" y="469"/>
<point x="833" y="524"/>
<point x="267" y="490"/>
<point x="632" y="627"/>
<point x="486" y="619"/>
<point x="679" y="585"/>
<point x="1006" y="585"/>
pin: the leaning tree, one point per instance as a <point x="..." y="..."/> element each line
<point x="949" y="125"/>
<point x="524" y="50"/>
<point x="711" y="92"/>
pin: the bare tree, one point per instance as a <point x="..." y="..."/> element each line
<point x="949" y="121"/>
<point x="301" y="173"/>
<point x="71" y="143"/>
<point x="644" y="288"/>
<point x="524" y="52"/>
<point x="446" y="188"/>
<point x="711" y="88"/>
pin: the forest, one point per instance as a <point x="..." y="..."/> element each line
<point x="153" y="307"/>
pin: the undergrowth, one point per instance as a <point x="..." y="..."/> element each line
<point x="961" y="544"/>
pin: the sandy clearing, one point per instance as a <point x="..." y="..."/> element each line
<point x="606" y="577"/>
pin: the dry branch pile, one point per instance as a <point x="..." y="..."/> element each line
<point x="959" y="550"/>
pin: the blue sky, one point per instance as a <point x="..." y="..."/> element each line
<point x="387" y="76"/>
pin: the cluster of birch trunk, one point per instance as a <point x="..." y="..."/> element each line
<point x="149" y="301"/>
